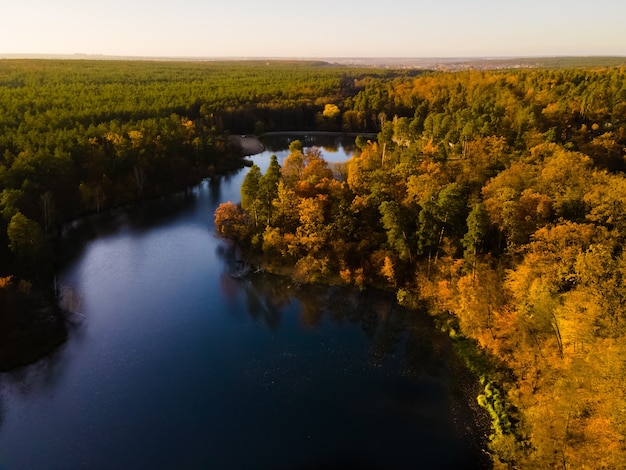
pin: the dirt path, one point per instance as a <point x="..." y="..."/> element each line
<point x="249" y="144"/>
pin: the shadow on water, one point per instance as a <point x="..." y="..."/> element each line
<point x="37" y="378"/>
<point x="403" y="345"/>
<point x="215" y="189"/>
<point x="392" y="330"/>
<point x="140" y="217"/>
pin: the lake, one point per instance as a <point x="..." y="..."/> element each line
<point x="171" y="362"/>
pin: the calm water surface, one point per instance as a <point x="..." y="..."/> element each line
<point x="173" y="363"/>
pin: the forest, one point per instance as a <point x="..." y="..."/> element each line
<point x="496" y="199"/>
<point x="79" y="137"/>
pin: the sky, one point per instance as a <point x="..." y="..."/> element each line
<point x="316" y="28"/>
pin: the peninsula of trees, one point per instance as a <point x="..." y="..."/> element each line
<point x="498" y="198"/>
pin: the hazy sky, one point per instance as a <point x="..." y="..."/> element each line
<point x="315" y="28"/>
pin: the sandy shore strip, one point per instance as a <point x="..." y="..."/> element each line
<point x="249" y="144"/>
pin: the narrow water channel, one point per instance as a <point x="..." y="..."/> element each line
<point x="173" y="363"/>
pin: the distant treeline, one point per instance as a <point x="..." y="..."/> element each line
<point x="500" y="199"/>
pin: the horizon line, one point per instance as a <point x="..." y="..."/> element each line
<point x="307" y="57"/>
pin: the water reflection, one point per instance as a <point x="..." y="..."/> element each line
<point x="398" y="381"/>
<point x="392" y="330"/>
<point x="331" y="144"/>
<point x="215" y="190"/>
<point x="27" y="382"/>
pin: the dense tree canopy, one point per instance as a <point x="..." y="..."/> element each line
<point x="496" y="197"/>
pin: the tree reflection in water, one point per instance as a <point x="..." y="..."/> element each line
<point x="406" y="374"/>
<point x="391" y="329"/>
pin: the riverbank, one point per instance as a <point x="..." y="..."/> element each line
<point x="248" y="144"/>
<point x="31" y="326"/>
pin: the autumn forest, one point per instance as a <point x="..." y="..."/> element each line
<point x="495" y="199"/>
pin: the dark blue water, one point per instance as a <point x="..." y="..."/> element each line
<point x="173" y="363"/>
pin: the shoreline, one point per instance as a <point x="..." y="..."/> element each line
<point x="251" y="144"/>
<point x="248" y="144"/>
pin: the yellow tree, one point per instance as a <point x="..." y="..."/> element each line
<point x="607" y="200"/>
<point x="311" y="232"/>
<point x="565" y="177"/>
<point x="285" y="207"/>
<point x="478" y="303"/>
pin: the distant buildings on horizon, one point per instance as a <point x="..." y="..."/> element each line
<point x="427" y="63"/>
